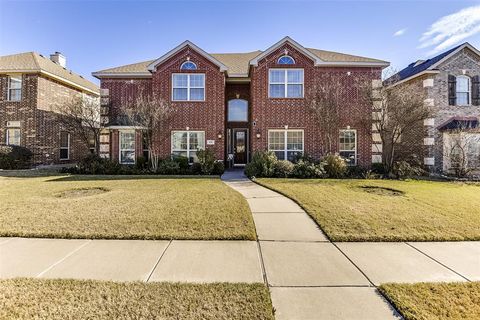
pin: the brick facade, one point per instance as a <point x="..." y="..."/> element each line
<point x="464" y="62"/>
<point x="40" y="131"/>
<point x="265" y="113"/>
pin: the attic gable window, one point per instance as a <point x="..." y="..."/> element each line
<point x="286" y="60"/>
<point x="188" y="65"/>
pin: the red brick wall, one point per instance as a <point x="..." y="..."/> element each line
<point x="273" y="113"/>
<point x="40" y="131"/>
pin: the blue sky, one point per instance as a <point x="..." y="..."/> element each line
<point x="95" y="35"/>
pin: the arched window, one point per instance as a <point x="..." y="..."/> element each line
<point x="238" y="110"/>
<point x="286" y="60"/>
<point x="188" y="65"/>
<point x="463" y="90"/>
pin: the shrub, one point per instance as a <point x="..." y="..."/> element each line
<point x="182" y="162"/>
<point x="169" y="166"/>
<point x="404" y="170"/>
<point x="335" y="166"/>
<point x="306" y="169"/>
<point x="141" y="163"/>
<point x="378" y="168"/>
<point x="218" y="168"/>
<point x="93" y="164"/>
<point x="206" y="158"/>
<point x="262" y="164"/>
<point x="15" y="157"/>
<point x="356" y="172"/>
<point x="283" y="168"/>
<point x="196" y="168"/>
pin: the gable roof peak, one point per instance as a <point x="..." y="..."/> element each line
<point x="152" y="66"/>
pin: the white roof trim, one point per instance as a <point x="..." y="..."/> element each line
<point x="465" y="45"/>
<point x="170" y="53"/>
<point x="414" y="76"/>
<point x="316" y="59"/>
<point x="125" y="127"/>
<point x="121" y="74"/>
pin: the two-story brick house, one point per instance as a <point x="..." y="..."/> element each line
<point x="451" y="81"/>
<point x="31" y="85"/>
<point x="238" y="103"/>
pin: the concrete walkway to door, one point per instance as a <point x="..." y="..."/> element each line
<point x="312" y="278"/>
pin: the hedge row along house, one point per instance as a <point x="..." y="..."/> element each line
<point x="238" y="103"/>
<point x="449" y="141"/>
<point x="31" y="85"/>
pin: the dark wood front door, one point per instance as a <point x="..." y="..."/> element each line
<point x="240" y="141"/>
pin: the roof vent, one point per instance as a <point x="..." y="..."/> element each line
<point x="59" y="59"/>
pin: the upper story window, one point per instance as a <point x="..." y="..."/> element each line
<point x="238" y="110"/>
<point x="188" y="87"/>
<point x="188" y="65"/>
<point x="286" y="60"/>
<point x="14" y="92"/>
<point x="285" y="83"/>
<point x="463" y="90"/>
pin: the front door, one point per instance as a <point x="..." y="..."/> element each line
<point x="240" y="146"/>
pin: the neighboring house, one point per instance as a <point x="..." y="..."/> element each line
<point x="31" y="85"/>
<point x="452" y="84"/>
<point x="238" y="103"/>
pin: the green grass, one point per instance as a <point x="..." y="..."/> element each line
<point x="432" y="301"/>
<point x="73" y="299"/>
<point x="123" y="207"/>
<point x="411" y="211"/>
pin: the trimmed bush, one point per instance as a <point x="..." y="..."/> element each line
<point x="283" y="168"/>
<point x="169" y="166"/>
<point x="206" y="158"/>
<point x="93" y="164"/>
<point x="305" y="169"/>
<point x="335" y="166"/>
<point x="262" y="165"/>
<point x="405" y="170"/>
<point x="218" y="168"/>
<point x="15" y="157"/>
<point x="182" y="162"/>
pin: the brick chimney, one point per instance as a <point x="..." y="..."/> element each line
<point x="59" y="59"/>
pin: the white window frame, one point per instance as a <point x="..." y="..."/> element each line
<point x="188" y="87"/>
<point x="285" y="83"/>
<point x="285" y="142"/>
<point x="63" y="148"/>
<point x="356" y="145"/>
<point x="9" y="88"/>
<point x="120" y="146"/>
<point x="7" y="137"/>
<point x="188" y="142"/>
<point x="188" y="61"/>
<point x="468" y="92"/>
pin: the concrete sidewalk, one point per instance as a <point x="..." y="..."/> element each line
<point x="309" y="277"/>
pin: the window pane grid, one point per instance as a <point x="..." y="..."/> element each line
<point x="188" y="87"/>
<point x="286" y="83"/>
<point x="463" y="90"/>
<point x="187" y="143"/>
<point x="13" y="136"/>
<point x="286" y="144"/>
<point x="127" y="147"/>
<point x="14" y="88"/>
<point x="348" y="145"/>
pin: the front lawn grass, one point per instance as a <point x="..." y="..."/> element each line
<point x="429" y="301"/>
<point x="123" y="207"/>
<point x="387" y="210"/>
<point x="75" y="299"/>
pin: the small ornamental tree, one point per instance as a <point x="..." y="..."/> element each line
<point x="150" y="113"/>
<point x="81" y="115"/>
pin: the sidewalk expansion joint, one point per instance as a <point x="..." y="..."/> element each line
<point x="64" y="258"/>
<point x="147" y="278"/>
<point x="443" y="265"/>
<point x="298" y="241"/>
<point x="327" y="286"/>
<point x="351" y="261"/>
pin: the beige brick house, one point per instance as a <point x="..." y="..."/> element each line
<point x="451" y="81"/>
<point x="31" y="85"/>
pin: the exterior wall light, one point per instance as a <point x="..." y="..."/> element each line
<point x="258" y="135"/>
<point x="219" y="135"/>
<point x="286" y="127"/>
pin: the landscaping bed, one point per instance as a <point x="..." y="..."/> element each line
<point x="429" y="301"/>
<point x="74" y="299"/>
<point x="123" y="207"/>
<point x="387" y="210"/>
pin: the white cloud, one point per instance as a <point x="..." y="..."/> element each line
<point x="452" y="29"/>
<point x="400" y="32"/>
